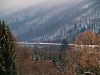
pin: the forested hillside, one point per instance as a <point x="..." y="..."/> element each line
<point x="50" y="21"/>
<point x="58" y="37"/>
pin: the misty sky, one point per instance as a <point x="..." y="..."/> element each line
<point x="5" y="4"/>
<point x="13" y="5"/>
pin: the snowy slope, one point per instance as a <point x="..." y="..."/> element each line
<point x="54" y="21"/>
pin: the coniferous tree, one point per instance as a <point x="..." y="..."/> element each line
<point x="7" y="52"/>
<point x="64" y="45"/>
<point x="62" y="53"/>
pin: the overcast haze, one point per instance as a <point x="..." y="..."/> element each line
<point x="5" y="4"/>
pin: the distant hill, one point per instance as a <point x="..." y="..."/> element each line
<point x="51" y="21"/>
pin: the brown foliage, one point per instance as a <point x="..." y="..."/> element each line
<point x="84" y="59"/>
<point x="26" y="66"/>
<point x="23" y="62"/>
<point x="88" y="38"/>
<point x="45" y="68"/>
<point x="79" y="59"/>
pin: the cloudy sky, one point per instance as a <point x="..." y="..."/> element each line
<point x="10" y="6"/>
<point x="22" y="3"/>
<point x="18" y="4"/>
<point x="5" y="4"/>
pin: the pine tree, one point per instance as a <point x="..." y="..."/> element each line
<point x="62" y="53"/>
<point x="64" y="45"/>
<point x="7" y="52"/>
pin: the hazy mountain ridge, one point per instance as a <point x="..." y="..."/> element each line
<point x="53" y="22"/>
